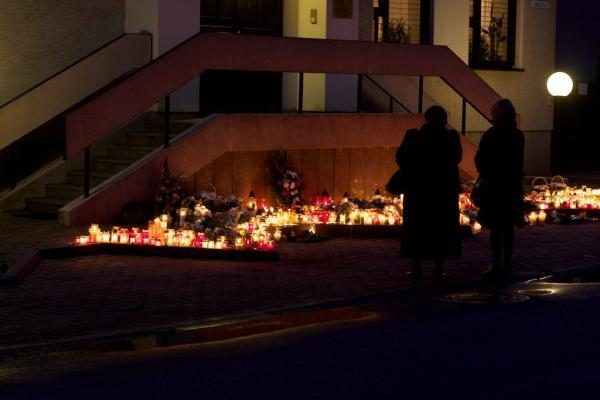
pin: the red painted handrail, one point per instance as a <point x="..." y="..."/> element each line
<point x="205" y="51"/>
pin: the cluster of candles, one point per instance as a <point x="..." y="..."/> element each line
<point x="324" y="211"/>
<point x="567" y="198"/>
<point x="249" y="236"/>
<point x="388" y="216"/>
<point x="263" y="230"/>
<point x="537" y="218"/>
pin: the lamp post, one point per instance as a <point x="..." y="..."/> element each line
<point x="559" y="85"/>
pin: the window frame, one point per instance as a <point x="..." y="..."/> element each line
<point x="475" y="25"/>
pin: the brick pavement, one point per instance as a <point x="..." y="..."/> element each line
<point x="98" y="295"/>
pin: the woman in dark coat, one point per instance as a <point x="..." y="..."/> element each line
<point x="499" y="161"/>
<point x="429" y="159"/>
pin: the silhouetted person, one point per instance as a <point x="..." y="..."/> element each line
<point x="429" y="159"/>
<point x="499" y="161"/>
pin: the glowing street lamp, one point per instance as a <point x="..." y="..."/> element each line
<point x="559" y="84"/>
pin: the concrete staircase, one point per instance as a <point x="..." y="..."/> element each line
<point x="126" y="147"/>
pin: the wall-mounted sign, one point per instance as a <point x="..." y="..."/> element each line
<point x="541" y="4"/>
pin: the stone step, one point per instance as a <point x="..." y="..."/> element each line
<point x="123" y="151"/>
<point x="159" y="126"/>
<point x="111" y="165"/>
<point x="44" y="205"/>
<point x="75" y="177"/>
<point x="64" y="191"/>
<point x="147" y="139"/>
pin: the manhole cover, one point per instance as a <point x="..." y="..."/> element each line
<point x="483" y="298"/>
<point x="536" y="292"/>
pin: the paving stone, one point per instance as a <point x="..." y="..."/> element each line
<point x="63" y="299"/>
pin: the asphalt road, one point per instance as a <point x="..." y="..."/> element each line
<point x="418" y="348"/>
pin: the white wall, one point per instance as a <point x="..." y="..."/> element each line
<point x="289" y="83"/>
<point x="340" y="92"/>
<point x="170" y="22"/>
<point x="535" y="48"/>
<point x="142" y="16"/>
<point x="296" y="23"/>
<point x="179" y="20"/>
<point x="40" y="38"/>
<point x="536" y="39"/>
<point x="451" y="26"/>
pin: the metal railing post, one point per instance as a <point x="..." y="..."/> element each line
<point x="13" y="168"/>
<point x="167" y="119"/>
<point x="359" y="93"/>
<point x="301" y="92"/>
<point x="86" y="172"/>
<point x="420" y="94"/>
<point x="463" y="127"/>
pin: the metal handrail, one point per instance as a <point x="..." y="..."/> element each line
<point x="391" y="96"/>
<point x="185" y="61"/>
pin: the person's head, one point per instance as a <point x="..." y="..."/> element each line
<point x="436" y="115"/>
<point x="503" y="112"/>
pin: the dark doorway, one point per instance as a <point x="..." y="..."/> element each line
<point x="241" y="91"/>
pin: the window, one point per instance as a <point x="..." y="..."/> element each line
<point x="257" y="17"/>
<point x="401" y="21"/>
<point x="492" y="33"/>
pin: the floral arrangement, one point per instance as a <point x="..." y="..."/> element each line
<point x="287" y="181"/>
<point x="211" y="201"/>
<point x="206" y="211"/>
<point x="169" y="193"/>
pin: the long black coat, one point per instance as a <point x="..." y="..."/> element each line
<point x="429" y="159"/>
<point x="499" y="161"/>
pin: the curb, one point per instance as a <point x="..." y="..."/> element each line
<point x="21" y="268"/>
<point x="30" y="260"/>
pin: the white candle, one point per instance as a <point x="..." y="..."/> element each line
<point x="182" y="215"/>
<point x="542" y="217"/>
<point x="533" y="218"/>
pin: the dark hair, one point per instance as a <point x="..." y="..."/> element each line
<point x="503" y="112"/>
<point x="436" y="115"/>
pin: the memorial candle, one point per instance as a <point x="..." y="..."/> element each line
<point x="533" y="218"/>
<point x="542" y="217"/>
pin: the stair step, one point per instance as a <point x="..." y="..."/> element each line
<point x="76" y="177"/>
<point x="44" y="205"/>
<point x="176" y="126"/>
<point x="111" y="165"/>
<point x="149" y="139"/>
<point x="64" y="191"/>
<point x="129" y="152"/>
